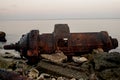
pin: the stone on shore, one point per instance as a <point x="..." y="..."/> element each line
<point x="107" y="65"/>
<point x="4" y="63"/>
<point x="98" y="51"/>
<point x="7" y="55"/>
<point x="78" y="59"/>
<point x="107" y="60"/>
<point x="33" y="74"/>
<point x="43" y="76"/>
<point x="57" y="57"/>
<point x="2" y="36"/>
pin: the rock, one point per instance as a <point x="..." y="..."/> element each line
<point x="107" y="65"/>
<point x="79" y="59"/>
<point x="43" y="76"/>
<point x="81" y="79"/>
<point x="18" y="57"/>
<point x="4" y="63"/>
<point x="12" y="65"/>
<point x="1" y="45"/>
<point x="73" y="79"/>
<point x="98" y="51"/>
<point x="10" y="75"/>
<point x="20" y="71"/>
<point x="93" y="77"/>
<point x="9" y="70"/>
<point x="60" y="78"/>
<point x="34" y="73"/>
<point x="106" y="60"/>
<point x="57" y="57"/>
<point x="20" y="64"/>
<point x="103" y="66"/>
<point x="87" y="67"/>
<point x="7" y="55"/>
<point x="53" y="79"/>
<point x="2" y="36"/>
<point x="110" y="74"/>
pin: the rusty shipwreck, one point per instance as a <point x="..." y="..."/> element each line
<point x="32" y="44"/>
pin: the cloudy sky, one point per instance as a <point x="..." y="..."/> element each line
<point x="59" y="9"/>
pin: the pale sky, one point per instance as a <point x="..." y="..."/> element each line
<point x="59" y="9"/>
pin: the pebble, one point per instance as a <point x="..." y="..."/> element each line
<point x="79" y="59"/>
<point x="98" y="51"/>
<point x="73" y="79"/>
<point x="60" y="78"/>
<point x="53" y="79"/>
<point x="34" y="73"/>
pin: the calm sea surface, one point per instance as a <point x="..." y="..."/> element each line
<point x="14" y="29"/>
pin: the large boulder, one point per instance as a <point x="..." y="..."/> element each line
<point x="107" y="60"/>
<point x="2" y="36"/>
<point x="110" y="74"/>
<point x="107" y="65"/>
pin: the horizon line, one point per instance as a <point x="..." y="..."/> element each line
<point x="55" y="19"/>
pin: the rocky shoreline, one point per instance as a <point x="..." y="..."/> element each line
<point x="98" y="65"/>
